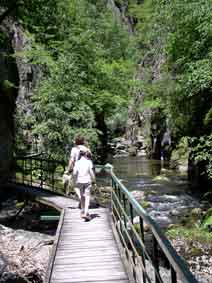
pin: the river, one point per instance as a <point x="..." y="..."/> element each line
<point x="166" y="192"/>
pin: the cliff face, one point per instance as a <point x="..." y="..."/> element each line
<point x="8" y="92"/>
<point x="16" y="84"/>
<point x="144" y="125"/>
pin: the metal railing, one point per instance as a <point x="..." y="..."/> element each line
<point x="148" y="254"/>
<point x="38" y="172"/>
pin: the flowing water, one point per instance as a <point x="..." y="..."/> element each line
<point x="166" y="192"/>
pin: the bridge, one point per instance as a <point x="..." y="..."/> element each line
<point x="109" y="248"/>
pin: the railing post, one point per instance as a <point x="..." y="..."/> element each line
<point x="133" y="253"/>
<point x="142" y="252"/>
<point x="156" y="259"/>
<point x="124" y="203"/>
<point x="112" y="200"/>
<point x="52" y="173"/>
<point x="119" y="207"/>
<point x="23" y="172"/>
<point x="31" y="172"/>
<point x="173" y="275"/>
<point x="41" y="173"/>
<point x="125" y="221"/>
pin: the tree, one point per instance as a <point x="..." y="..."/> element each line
<point x="87" y="74"/>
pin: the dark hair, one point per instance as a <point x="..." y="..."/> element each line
<point x="88" y="155"/>
<point x="82" y="153"/>
<point x="79" y="140"/>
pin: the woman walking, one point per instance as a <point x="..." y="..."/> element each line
<point x="84" y="178"/>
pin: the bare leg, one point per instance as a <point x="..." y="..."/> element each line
<point x="77" y="191"/>
<point x="87" y="203"/>
<point x="66" y="187"/>
<point x="82" y="205"/>
<point x="66" y="183"/>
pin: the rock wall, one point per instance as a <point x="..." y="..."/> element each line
<point x="17" y="82"/>
<point x="29" y="74"/>
<point x="9" y="82"/>
<point x="147" y="124"/>
<point x="142" y="126"/>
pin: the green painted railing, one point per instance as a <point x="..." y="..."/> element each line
<point x="39" y="172"/>
<point x="148" y="254"/>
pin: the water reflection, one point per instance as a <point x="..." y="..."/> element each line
<point x="134" y="166"/>
<point x="138" y="173"/>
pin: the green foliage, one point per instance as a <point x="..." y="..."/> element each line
<point x="84" y="54"/>
<point x="117" y="122"/>
<point x="88" y="59"/>
<point x="174" y="47"/>
<point x="189" y="56"/>
<point x="6" y="85"/>
<point x="207" y="220"/>
<point x="60" y="108"/>
<point x="176" y="35"/>
<point x="201" y="151"/>
<point x="181" y="152"/>
<point x="190" y="234"/>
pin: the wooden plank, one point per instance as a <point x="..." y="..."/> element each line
<point x="88" y="244"/>
<point x="89" y="260"/>
<point x="82" y="221"/>
<point x="84" y="245"/>
<point x="95" y="228"/>
<point x="98" y="257"/>
<point x="89" y="275"/>
<point x="79" y="234"/>
<point x="91" y="253"/>
<point x="102" y="227"/>
<point x="76" y="218"/>
<point x="93" y="278"/>
<point x="65" y="262"/>
<point x="78" y="240"/>
<point x="73" y="268"/>
<point x="99" y="281"/>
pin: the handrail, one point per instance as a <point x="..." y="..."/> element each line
<point x="124" y="222"/>
<point x="40" y="172"/>
<point x="31" y="155"/>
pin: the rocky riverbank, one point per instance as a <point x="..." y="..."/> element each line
<point x="190" y="241"/>
<point x="26" y="245"/>
<point x="197" y="255"/>
<point x="121" y="147"/>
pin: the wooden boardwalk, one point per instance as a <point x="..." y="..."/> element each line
<point x="83" y="251"/>
<point x="86" y="251"/>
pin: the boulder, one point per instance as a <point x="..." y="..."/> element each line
<point x="120" y="146"/>
<point x="26" y="255"/>
<point x="132" y="151"/>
